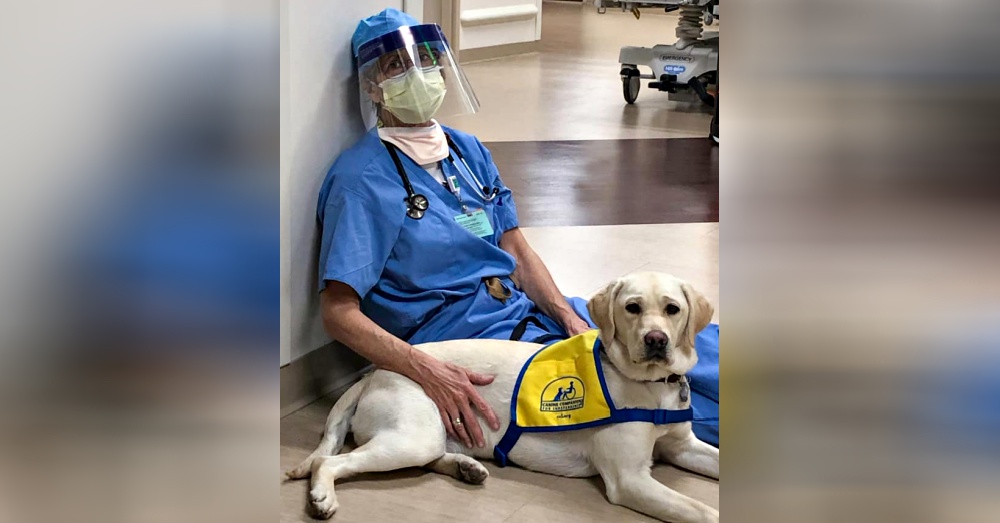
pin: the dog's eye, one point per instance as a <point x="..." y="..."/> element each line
<point x="673" y="309"/>
<point x="633" y="308"/>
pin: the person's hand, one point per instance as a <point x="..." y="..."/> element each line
<point x="575" y="325"/>
<point x="452" y="389"/>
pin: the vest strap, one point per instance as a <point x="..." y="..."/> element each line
<point x="505" y="444"/>
<point x="522" y="326"/>
<point x="654" y="416"/>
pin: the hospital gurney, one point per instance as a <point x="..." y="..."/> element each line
<point x="691" y="65"/>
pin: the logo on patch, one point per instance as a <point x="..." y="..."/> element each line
<point x="562" y="394"/>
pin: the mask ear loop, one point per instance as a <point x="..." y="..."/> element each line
<point x="376" y="107"/>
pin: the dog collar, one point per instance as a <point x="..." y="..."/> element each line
<point x="685" y="386"/>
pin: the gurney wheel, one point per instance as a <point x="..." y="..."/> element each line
<point x="630" y="87"/>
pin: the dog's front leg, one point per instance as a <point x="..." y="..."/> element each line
<point x="622" y="459"/>
<point x="639" y="491"/>
<point x="686" y="451"/>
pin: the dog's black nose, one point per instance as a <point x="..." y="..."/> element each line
<point x="656" y="343"/>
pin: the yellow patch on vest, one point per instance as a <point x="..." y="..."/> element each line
<point x="560" y="386"/>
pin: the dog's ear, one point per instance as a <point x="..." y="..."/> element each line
<point x="602" y="310"/>
<point x="700" y="313"/>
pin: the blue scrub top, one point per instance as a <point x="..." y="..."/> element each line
<point x="422" y="280"/>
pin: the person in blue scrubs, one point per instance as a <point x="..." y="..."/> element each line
<point x="420" y="238"/>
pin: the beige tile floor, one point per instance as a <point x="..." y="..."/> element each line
<point x="584" y="259"/>
<point x="571" y="90"/>
<point x="511" y="494"/>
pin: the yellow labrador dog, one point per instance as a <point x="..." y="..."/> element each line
<point x="647" y="322"/>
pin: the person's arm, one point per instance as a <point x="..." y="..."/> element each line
<point x="534" y="278"/>
<point x="452" y="388"/>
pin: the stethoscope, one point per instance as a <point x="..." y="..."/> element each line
<point x="417" y="204"/>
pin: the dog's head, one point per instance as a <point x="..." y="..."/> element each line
<point x="648" y="322"/>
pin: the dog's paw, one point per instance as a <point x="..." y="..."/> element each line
<point x="303" y="470"/>
<point x="473" y="472"/>
<point x="322" y="503"/>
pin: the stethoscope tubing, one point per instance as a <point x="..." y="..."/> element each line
<point x="417" y="204"/>
<point x="481" y="188"/>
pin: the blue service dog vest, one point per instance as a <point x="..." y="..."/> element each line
<point x="562" y="387"/>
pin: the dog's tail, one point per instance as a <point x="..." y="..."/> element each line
<point x="337" y="425"/>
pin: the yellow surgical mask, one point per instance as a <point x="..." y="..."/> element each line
<point x="415" y="96"/>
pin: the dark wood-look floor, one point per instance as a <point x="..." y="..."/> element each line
<point x="611" y="182"/>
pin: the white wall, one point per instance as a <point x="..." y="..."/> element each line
<point x="319" y="118"/>
<point x="487" y="23"/>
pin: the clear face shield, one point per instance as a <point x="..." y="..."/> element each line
<point x="409" y="76"/>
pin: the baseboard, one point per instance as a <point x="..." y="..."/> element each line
<point x="323" y="371"/>
<point x="497" y="51"/>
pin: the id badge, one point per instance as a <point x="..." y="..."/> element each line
<point x="475" y="222"/>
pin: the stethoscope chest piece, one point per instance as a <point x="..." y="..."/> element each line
<point x="416" y="206"/>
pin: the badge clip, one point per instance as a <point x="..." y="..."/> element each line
<point x="497" y="289"/>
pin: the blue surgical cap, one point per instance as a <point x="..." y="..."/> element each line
<point x="383" y="23"/>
